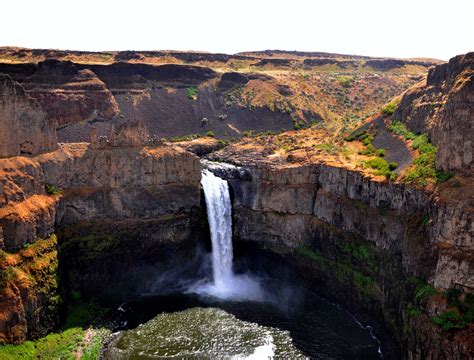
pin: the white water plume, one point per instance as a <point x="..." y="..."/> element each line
<point x="226" y="284"/>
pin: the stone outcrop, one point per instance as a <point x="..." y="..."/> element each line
<point x="70" y="95"/>
<point x="29" y="296"/>
<point x="24" y="129"/>
<point x="443" y="107"/>
<point x="137" y="76"/>
<point x="390" y="64"/>
<point x="119" y="183"/>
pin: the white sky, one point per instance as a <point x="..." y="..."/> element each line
<point x="398" y="28"/>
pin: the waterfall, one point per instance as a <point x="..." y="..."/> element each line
<point x="226" y="284"/>
<point x="216" y="192"/>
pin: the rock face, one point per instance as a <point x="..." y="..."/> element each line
<point x="114" y="183"/>
<point x="105" y="202"/>
<point x="124" y="210"/>
<point x="443" y="107"/>
<point x="23" y="126"/>
<point x="172" y="97"/>
<point x="29" y="299"/>
<point x="121" y="183"/>
<point x="350" y="202"/>
<point x="70" y="95"/>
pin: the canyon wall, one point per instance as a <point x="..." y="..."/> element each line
<point x="443" y="107"/>
<point x="370" y="244"/>
<point x="118" y="208"/>
<point x="280" y="204"/>
<point x="24" y="129"/>
<point x="80" y="97"/>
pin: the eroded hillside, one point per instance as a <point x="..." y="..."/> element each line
<point x="180" y="94"/>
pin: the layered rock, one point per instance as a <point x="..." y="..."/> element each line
<point x="24" y="129"/>
<point x="118" y="183"/>
<point x="149" y="195"/>
<point x="120" y="213"/>
<point x="368" y="241"/>
<point x="70" y="95"/>
<point x="443" y="107"/>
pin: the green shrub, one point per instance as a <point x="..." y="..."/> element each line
<point x="460" y="313"/>
<point x="328" y="148"/>
<point x="184" y="138"/>
<point x="413" y="311"/>
<point x="381" y="166"/>
<point x="423" y="292"/>
<point x="191" y="93"/>
<point x="390" y="108"/>
<point x="392" y="165"/>
<point x="223" y="143"/>
<point x="449" y="320"/>
<point x="380" y="152"/>
<point x="346" y="81"/>
<point x="377" y="163"/>
<point x="370" y="150"/>
<point x="442" y="176"/>
<point x="423" y="168"/>
<point x="422" y="171"/>
<point x="452" y="295"/>
<point x="398" y="128"/>
<point x="210" y="133"/>
<point x="468" y="308"/>
<point x="7" y="275"/>
<point x="355" y="136"/>
<point x="367" y="139"/>
<point x="52" y="190"/>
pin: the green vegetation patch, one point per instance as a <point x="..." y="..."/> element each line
<point x="346" y="81"/>
<point x="65" y="342"/>
<point x="382" y="167"/>
<point x="423" y="170"/>
<point x="52" y="190"/>
<point x="185" y="138"/>
<point x="344" y="271"/>
<point x="90" y="246"/>
<point x="192" y="93"/>
<point x="328" y="148"/>
<point x="460" y="311"/>
<point x="361" y="135"/>
<point x="390" y="108"/>
<point x="61" y="345"/>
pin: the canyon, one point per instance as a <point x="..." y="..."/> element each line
<point x="101" y="156"/>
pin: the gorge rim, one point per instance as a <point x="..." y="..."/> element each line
<point x="257" y="205"/>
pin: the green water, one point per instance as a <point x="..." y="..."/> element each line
<point x="205" y="333"/>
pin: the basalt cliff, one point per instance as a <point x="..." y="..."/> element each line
<point x="377" y="212"/>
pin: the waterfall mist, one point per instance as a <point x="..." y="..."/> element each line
<point x="226" y="284"/>
<point x="256" y="276"/>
